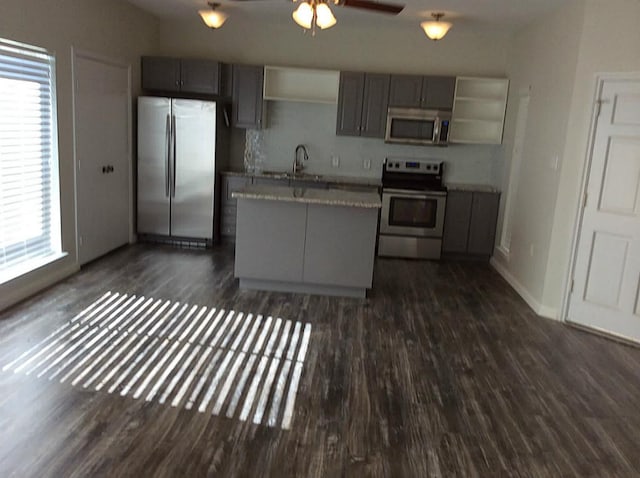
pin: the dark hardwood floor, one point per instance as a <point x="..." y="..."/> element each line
<point x="443" y="371"/>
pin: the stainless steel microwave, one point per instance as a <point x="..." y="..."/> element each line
<point x="417" y="126"/>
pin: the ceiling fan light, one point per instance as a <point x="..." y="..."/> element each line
<point x="324" y="16"/>
<point x="436" y="30"/>
<point x="213" y="18"/>
<point x="303" y="15"/>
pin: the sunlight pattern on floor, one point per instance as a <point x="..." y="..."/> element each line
<point x="211" y="360"/>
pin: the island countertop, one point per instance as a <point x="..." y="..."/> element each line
<point x="320" y="178"/>
<point x="327" y="197"/>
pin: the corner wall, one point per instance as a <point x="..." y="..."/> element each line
<point x="609" y="44"/>
<point x="543" y="58"/>
<point x="110" y="28"/>
<point x="372" y="48"/>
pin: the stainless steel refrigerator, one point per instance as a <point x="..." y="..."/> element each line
<point x="176" y="167"/>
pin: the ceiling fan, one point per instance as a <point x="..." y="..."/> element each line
<point x="316" y="13"/>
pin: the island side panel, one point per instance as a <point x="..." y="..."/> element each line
<point x="340" y="245"/>
<point x="270" y="240"/>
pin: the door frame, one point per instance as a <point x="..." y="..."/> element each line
<point x="600" y="80"/>
<point x="77" y="53"/>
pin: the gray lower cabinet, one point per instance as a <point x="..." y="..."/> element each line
<point x="470" y="223"/>
<point x="229" y="204"/>
<point x="482" y="227"/>
<point x="328" y="257"/>
<point x="270" y="236"/>
<point x="309" y="248"/>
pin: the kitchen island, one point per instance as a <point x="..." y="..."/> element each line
<point x="306" y="240"/>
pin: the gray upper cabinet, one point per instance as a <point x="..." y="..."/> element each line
<point x="200" y="76"/>
<point x="413" y="91"/>
<point x="470" y="223"/>
<point x="405" y="91"/>
<point x="438" y="92"/>
<point x="181" y="75"/>
<point x="247" y="96"/>
<point x="350" y="96"/>
<point x="362" y="104"/>
<point x="374" y="105"/>
<point x="160" y="73"/>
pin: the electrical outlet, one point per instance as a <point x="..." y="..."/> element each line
<point x="335" y="161"/>
<point x="366" y="164"/>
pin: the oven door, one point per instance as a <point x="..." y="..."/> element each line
<point x="412" y="213"/>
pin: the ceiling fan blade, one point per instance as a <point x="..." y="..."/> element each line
<point x="373" y="6"/>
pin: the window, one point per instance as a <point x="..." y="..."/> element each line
<point x="29" y="193"/>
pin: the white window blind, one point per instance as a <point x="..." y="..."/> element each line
<point x="29" y="191"/>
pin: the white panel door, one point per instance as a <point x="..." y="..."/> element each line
<point x="102" y="135"/>
<point x="607" y="270"/>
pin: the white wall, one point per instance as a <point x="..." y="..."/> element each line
<point x="344" y="47"/>
<point x="543" y="57"/>
<point x="609" y="44"/>
<point x="110" y="28"/>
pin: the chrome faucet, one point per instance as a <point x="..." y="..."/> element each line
<point x="297" y="165"/>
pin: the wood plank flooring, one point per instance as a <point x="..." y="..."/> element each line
<point x="443" y="371"/>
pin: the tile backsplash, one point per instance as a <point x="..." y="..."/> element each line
<point x="291" y="123"/>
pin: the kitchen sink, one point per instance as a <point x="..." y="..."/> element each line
<point x="287" y="175"/>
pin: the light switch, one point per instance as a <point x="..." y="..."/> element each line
<point x="366" y="163"/>
<point x="335" y="161"/>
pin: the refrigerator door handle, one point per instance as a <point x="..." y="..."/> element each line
<point x="173" y="178"/>
<point x="166" y="163"/>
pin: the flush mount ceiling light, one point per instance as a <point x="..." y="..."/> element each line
<point x="312" y="13"/>
<point x="436" y="30"/>
<point x="213" y="18"/>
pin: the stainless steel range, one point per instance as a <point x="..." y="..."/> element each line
<point x="413" y="206"/>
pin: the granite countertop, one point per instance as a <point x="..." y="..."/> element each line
<point x="342" y="180"/>
<point x="483" y="188"/>
<point x="328" y="197"/>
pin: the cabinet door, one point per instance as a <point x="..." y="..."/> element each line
<point x="405" y="91"/>
<point x="350" y="97"/>
<point x="374" y="108"/>
<point x="200" y="76"/>
<point x="247" y="96"/>
<point x="482" y="228"/>
<point x="437" y="92"/>
<point x="270" y="240"/>
<point x="160" y="73"/>
<point x="456" y="221"/>
<point x="336" y="236"/>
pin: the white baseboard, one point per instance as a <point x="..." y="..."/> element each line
<point x="13" y="295"/>
<point x="538" y="308"/>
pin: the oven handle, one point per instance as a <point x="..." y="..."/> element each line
<point x="405" y="192"/>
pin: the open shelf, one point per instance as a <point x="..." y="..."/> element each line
<point x="478" y="110"/>
<point x="299" y="84"/>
